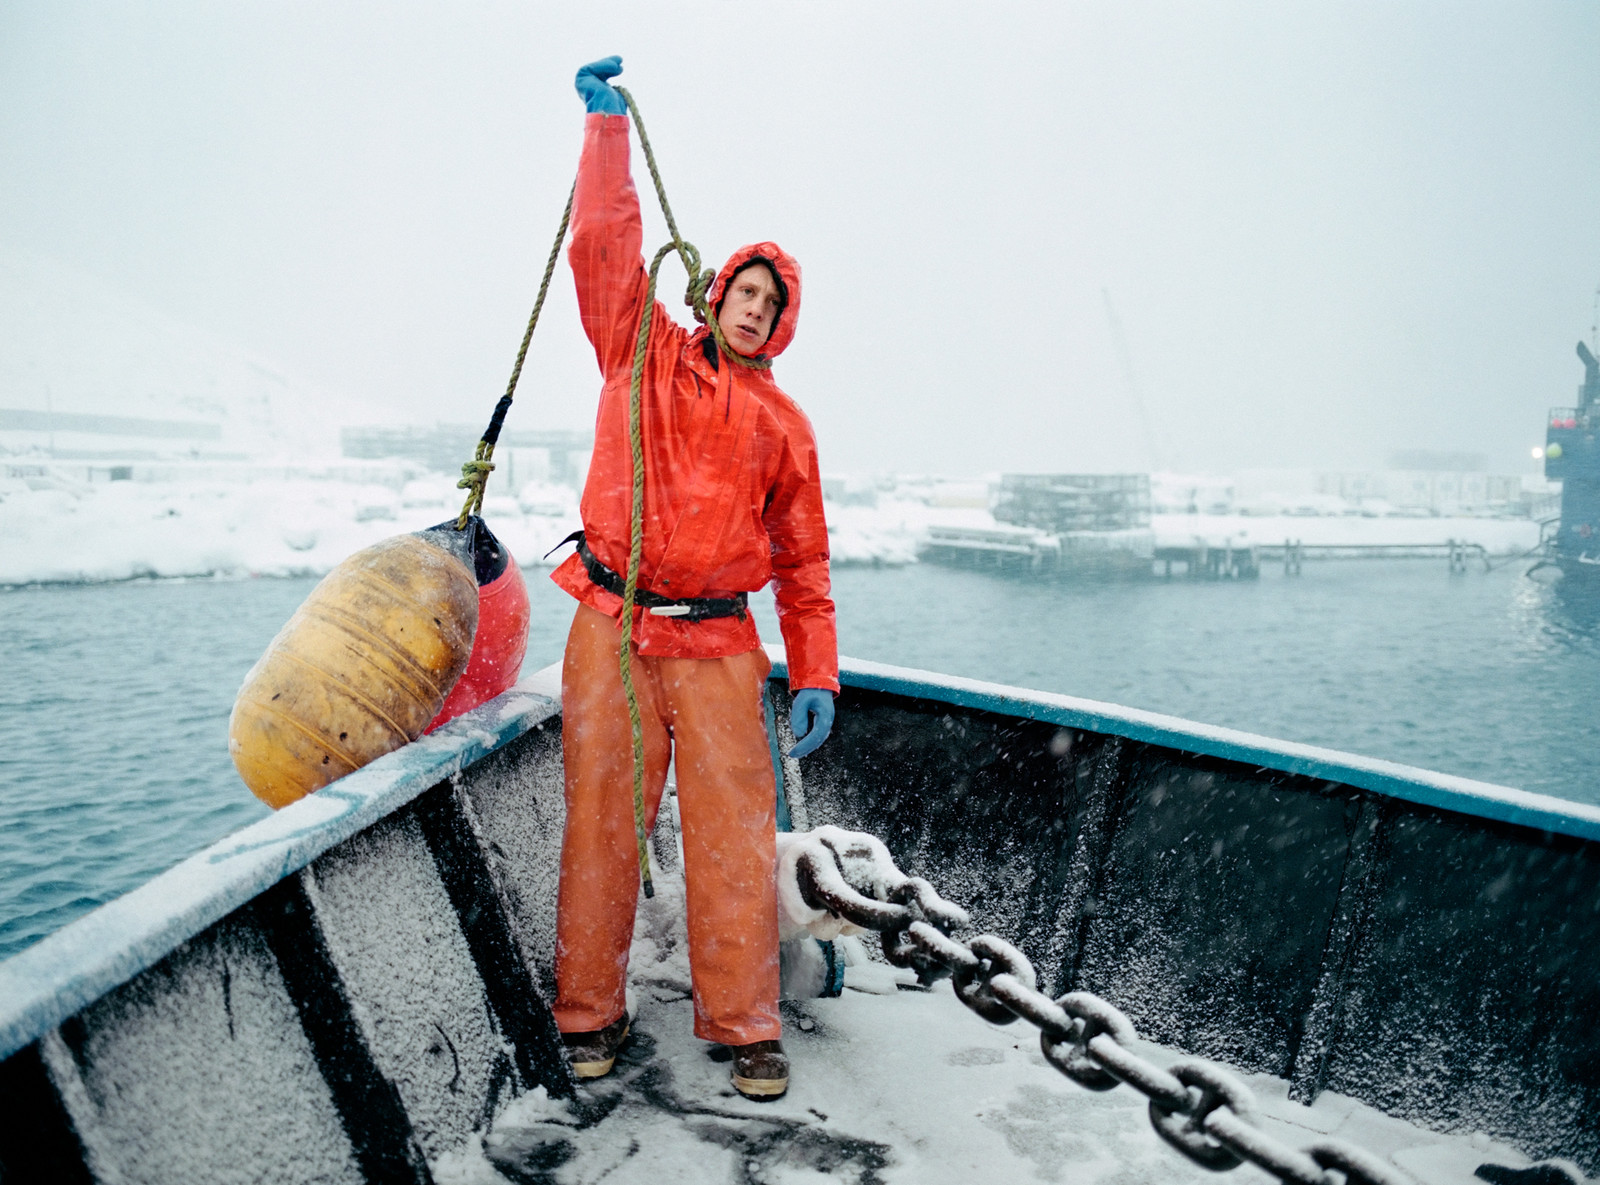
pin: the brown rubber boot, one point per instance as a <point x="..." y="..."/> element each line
<point x="591" y="1055"/>
<point x="761" y="1070"/>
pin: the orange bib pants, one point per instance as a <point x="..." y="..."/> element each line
<point x="708" y="714"/>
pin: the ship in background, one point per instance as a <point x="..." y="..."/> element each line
<point x="1572" y="457"/>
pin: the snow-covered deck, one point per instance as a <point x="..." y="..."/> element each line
<point x="907" y="1086"/>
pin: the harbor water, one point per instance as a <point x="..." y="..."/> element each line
<point x="115" y="703"/>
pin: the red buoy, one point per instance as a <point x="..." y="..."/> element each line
<point x="501" y="640"/>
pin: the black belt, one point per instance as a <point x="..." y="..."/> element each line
<point x="689" y="609"/>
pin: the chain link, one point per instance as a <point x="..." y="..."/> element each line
<point x="1202" y="1110"/>
<point x="973" y="983"/>
<point x="1185" y="1127"/>
<point x="1358" y="1166"/>
<point x="1067" y="1048"/>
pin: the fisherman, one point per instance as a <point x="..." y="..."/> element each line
<point x="732" y="501"/>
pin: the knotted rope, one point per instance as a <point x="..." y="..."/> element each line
<point x="695" y="297"/>
<point x="699" y="281"/>
<point x="475" y="473"/>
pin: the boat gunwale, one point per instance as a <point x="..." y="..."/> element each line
<point x="1408" y="783"/>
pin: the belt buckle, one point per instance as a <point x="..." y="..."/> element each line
<point x="672" y="610"/>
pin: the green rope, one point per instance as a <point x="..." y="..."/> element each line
<point x="699" y="284"/>
<point x="475" y="473"/>
<point x="630" y="586"/>
<point x="699" y="281"/>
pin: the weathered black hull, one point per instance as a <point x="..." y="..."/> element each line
<point x="1438" y="965"/>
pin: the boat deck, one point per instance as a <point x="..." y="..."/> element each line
<point x="907" y="1086"/>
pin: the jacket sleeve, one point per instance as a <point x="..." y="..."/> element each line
<point x="606" y="237"/>
<point x="799" y="535"/>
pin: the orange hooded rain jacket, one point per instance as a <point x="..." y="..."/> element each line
<point x="733" y="497"/>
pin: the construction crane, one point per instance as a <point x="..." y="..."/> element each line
<point x="1125" y="357"/>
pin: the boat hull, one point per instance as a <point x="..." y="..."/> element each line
<point x="349" y="989"/>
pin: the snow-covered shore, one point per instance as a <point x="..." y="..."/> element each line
<point x="56" y="529"/>
<point x="69" y="532"/>
<point x="232" y="468"/>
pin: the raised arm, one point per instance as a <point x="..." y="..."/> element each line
<point x="606" y="230"/>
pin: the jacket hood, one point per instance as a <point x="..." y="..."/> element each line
<point x="788" y="272"/>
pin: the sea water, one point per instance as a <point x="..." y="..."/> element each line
<point x="114" y="699"/>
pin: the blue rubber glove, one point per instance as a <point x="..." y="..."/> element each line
<point x="597" y="96"/>
<point x="811" y="718"/>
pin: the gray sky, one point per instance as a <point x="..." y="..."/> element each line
<point x="1328" y="231"/>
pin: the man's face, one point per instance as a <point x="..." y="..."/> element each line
<point x="750" y="308"/>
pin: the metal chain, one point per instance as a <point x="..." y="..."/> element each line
<point x="1202" y="1110"/>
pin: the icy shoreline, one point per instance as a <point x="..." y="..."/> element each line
<point x="60" y="531"/>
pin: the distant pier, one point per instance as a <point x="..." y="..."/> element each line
<point x="1201" y="560"/>
<point x="1134" y="554"/>
<point x="1099" y="526"/>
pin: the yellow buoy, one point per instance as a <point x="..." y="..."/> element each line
<point x="359" y="670"/>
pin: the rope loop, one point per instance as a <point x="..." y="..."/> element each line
<point x="700" y="281"/>
<point x="695" y="295"/>
<point x="475" y="473"/>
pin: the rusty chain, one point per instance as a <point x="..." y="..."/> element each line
<point x="1202" y="1110"/>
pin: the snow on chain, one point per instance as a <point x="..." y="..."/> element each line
<point x="834" y="883"/>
